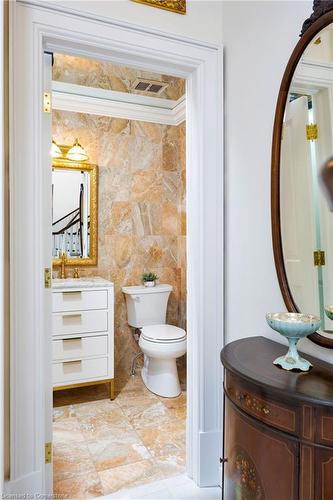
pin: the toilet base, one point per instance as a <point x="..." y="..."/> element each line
<point x="160" y="376"/>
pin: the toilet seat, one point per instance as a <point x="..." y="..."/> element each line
<point x="163" y="333"/>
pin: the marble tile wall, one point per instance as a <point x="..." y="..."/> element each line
<point x="141" y="218"/>
<point x="105" y="75"/>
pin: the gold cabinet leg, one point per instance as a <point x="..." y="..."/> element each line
<point x="112" y="396"/>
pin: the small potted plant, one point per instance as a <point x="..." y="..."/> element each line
<point x="149" y="279"/>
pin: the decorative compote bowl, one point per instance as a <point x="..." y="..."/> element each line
<point x="329" y="311"/>
<point x="293" y="326"/>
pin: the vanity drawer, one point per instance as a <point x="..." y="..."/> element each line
<point x="79" y="347"/>
<point x="79" y="300"/>
<point x="71" y="323"/>
<point x="67" y="372"/>
<point x="265" y="409"/>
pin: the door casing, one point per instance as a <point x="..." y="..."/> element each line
<point x="35" y="28"/>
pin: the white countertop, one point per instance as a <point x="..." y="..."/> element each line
<point x="88" y="282"/>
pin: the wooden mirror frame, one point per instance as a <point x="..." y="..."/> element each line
<point x="321" y="17"/>
<point x="62" y="163"/>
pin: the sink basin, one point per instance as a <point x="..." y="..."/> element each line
<point x="85" y="282"/>
<point x="293" y="326"/>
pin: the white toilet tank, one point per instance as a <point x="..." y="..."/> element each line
<point x="146" y="305"/>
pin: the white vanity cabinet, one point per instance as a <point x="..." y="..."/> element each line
<point x="82" y="333"/>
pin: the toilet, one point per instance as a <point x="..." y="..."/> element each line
<point x="160" y="343"/>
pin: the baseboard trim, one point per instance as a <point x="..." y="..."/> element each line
<point x="210" y="452"/>
<point x="28" y="485"/>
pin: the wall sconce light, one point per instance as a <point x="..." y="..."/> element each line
<point x="71" y="153"/>
<point x="55" y="150"/>
<point x="76" y="152"/>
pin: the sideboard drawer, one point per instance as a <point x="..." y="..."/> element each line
<point x="68" y="372"/>
<point x="80" y="347"/>
<point x="267" y="410"/>
<point x="323" y="422"/>
<point x="79" y="300"/>
<point x="80" y="322"/>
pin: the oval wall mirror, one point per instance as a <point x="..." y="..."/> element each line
<point x="302" y="222"/>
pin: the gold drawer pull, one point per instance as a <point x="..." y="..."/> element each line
<point x="252" y="403"/>
<point x="69" y="294"/>
<point x="71" y="317"/>
<point x="72" y="344"/>
<point x="72" y="366"/>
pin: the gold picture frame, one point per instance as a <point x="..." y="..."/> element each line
<point x="62" y="163"/>
<point x="178" y="6"/>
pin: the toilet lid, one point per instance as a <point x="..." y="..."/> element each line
<point x="163" y="332"/>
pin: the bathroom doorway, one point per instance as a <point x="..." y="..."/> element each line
<point x="38" y="29"/>
<point x="119" y="216"/>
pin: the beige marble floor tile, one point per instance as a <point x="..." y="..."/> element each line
<point x="121" y="450"/>
<point x="95" y="408"/>
<point x="143" y="472"/>
<point x="70" y="459"/>
<point x="104" y="425"/>
<point x="67" y="430"/>
<point x="129" y="475"/>
<point x="176" y="406"/>
<point x="148" y="414"/>
<point x="134" y="400"/>
<point x="134" y="440"/>
<point x="167" y="441"/>
<point x="63" y="412"/>
<point x="79" y="486"/>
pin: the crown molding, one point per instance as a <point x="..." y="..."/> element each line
<point x="95" y="101"/>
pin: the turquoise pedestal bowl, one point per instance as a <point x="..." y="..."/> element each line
<point x="329" y="311"/>
<point x="293" y="326"/>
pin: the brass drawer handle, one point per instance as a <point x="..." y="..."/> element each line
<point x="75" y="339"/>
<point x="71" y="316"/>
<point x="252" y="403"/>
<point x="74" y="366"/>
<point x="72" y="292"/>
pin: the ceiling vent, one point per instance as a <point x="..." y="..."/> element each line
<point x="149" y="86"/>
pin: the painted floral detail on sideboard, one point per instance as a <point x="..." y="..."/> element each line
<point x="252" y="403"/>
<point x="247" y="483"/>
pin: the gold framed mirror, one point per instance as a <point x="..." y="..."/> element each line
<point x="74" y="211"/>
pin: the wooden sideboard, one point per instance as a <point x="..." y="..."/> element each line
<point x="278" y="427"/>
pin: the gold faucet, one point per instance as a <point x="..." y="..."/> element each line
<point x="63" y="264"/>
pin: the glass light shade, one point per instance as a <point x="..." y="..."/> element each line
<point x="77" y="153"/>
<point x="55" y="150"/>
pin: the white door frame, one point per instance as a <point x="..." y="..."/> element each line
<point x="35" y="28"/>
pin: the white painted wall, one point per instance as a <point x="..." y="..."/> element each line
<point x="258" y="38"/>
<point x="202" y="20"/>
